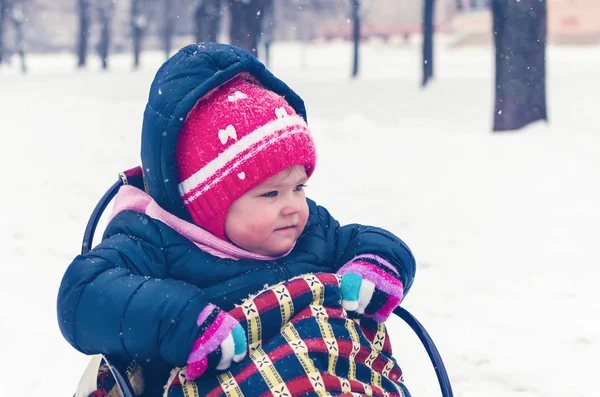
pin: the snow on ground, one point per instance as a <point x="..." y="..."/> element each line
<point x="504" y="226"/>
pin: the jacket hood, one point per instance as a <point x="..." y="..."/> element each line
<point x="179" y="83"/>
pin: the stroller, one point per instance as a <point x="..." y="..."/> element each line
<point x="124" y="372"/>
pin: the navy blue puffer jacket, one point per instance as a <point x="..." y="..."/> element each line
<point x="139" y="292"/>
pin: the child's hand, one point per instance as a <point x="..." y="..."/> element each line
<point x="222" y="341"/>
<point x="368" y="289"/>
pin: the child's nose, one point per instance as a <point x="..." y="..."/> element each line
<point x="291" y="206"/>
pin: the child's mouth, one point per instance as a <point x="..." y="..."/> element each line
<point x="285" y="228"/>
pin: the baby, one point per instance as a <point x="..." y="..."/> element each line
<point x="226" y="153"/>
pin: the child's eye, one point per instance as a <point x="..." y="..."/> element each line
<point x="299" y="187"/>
<point x="270" y="194"/>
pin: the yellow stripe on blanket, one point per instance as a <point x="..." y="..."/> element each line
<point x="254" y="325"/>
<point x="229" y="385"/>
<point x="189" y="388"/>
<point x="286" y="305"/>
<point x="345" y="385"/>
<point x="376" y="378"/>
<point x="351" y="327"/>
<point x="268" y="372"/>
<point x="377" y="347"/>
<point x="387" y="369"/>
<point x="300" y="349"/>
<point x="379" y="339"/>
<point x="322" y="319"/>
<point x="320" y="314"/>
<point x="317" y="288"/>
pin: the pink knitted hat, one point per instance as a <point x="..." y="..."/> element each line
<point x="235" y="138"/>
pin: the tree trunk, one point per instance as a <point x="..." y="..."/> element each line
<point x="520" y="43"/>
<point x="428" y="15"/>
<point x="105" y="15"/>
<point x="246" y="23"/>
<point x="168" y="26"/>
<point x="18" y="19"/>
<point x="5" y="15"/>
<point x="207" y="20"/>
<point x="267" y="31"/>
<point x="2" y="17"/>
<point x="138" y="26"/>
<point x="267" y="54"/>
<point x="355" y="36"/>
<point x="84" y="31"/>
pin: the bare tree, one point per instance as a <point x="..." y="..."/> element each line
<point x="4" y="6"/>
<point x="355" y="35"/>
<point x="520" y="43"/>
<point x="207" y="20"/>
<point x="139" y="22"/>
<point x="268" y="27"/>
<point x="246" y="23"/>
<point x="13" y="11"/>
<point x="141" y="13"/>
<point x="428" y="16"/>
<point x="18" y="17"/>
<point x="105" y="16"/>
<point x="84" y="9"/>
<point x="168" y="25"/>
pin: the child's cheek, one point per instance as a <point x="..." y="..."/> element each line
<point x="260" y="223"/>
<point x="304" y="216"/>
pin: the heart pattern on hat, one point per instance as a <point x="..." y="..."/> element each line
<point x="281" y="112"/>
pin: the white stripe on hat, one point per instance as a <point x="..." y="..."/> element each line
<point x="266" y="131"/>
<point x="240" y="160"/>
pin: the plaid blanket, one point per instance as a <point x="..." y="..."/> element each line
<point x="302" y="343"/>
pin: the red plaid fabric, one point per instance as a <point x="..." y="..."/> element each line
<point x="301" y="342"/>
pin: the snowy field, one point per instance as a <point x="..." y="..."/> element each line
<point x="505" y="227"/>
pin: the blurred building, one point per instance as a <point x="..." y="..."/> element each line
<point x="331" y="19"/>
<point x="51" y="25"/>
<point x="466" y="21"/>
<point x="569" y="22"/>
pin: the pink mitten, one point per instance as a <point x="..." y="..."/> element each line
<point x="222" y="341"/>
<point x="370" y="286"/>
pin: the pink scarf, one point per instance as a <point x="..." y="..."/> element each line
<point x="134" y="199"/>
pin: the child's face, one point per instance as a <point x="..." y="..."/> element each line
<point x="269" y="218"/>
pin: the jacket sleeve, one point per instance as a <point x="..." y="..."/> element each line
<point x="352" y="240"/>
<point x="117" y="299"/>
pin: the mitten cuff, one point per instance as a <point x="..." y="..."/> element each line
<point x="377" y="261"/>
